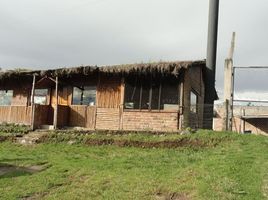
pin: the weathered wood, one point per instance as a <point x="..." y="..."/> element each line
<point x="41" y="115"/>
<point x="159" y="96"/>
<point x="55" y="123"/>
<point x="32" y="103"/>
<point x="121" y="109"/>
<point x="15" y="114"/>
<point x="231" y="52"/>
<point x="63" y="115"/>
<point x="82" y="116"/>
<point x="109" y="92"/>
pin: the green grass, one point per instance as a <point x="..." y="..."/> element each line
<point x="237" y="168"/>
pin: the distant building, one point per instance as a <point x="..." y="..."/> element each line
<point x="247" y="119"/>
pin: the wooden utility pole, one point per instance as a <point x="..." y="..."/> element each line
<point x="32" y="103"/>
<point x="55" y="120"/>
<point x="229" y="87"/>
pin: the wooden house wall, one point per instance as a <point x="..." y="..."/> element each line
<point x="82" y="116"/>
<point x="20" y="97"/>
<point x="193" y="81"/>
<point x="109" y="92"/>
<point x="15" y="114"/>
<point x="107" y="114"/>
<point x="64" y="96"/>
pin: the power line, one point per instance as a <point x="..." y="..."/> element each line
<point x="247" y="101"/>
<point x="251" y="67"/>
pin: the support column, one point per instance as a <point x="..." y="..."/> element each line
<point x="55" y="120"/>
<point x="32" y="104"/>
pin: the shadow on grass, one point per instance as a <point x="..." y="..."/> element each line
<point x="11" y="171"/>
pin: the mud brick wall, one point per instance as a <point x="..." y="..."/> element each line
<point x="107" y="119"/>
<point x="150" y="121"/>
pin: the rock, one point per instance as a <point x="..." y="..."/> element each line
<point x="71" y="142"/>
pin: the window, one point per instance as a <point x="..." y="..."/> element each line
<point x="193" y="101"/>
<point x="40" y="96"/>
<point x="6" y="97"/>
<point x="151" y="94"/>
<point x="85" y="95"/>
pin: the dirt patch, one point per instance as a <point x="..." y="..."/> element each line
<point x="171" y="196"/>
<point x="184" y="142"/>
<point x="12" y="169"/>
<point x="6" y="138"/>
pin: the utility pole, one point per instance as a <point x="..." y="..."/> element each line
<point x="210" y="93"/>
<point x="229" y="87"/>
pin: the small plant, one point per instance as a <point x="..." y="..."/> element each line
<point x="14" y="129"/>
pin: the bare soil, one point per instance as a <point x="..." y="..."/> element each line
<point x="185" y="142"/>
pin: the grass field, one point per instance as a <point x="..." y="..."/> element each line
<point x="235" y="167"/>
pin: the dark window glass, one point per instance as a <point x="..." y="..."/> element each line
<point x="155" y="95"/>
<point x="132" y="94"/>
<point x="6" y="97"/>
<point x="148" y="93"/>
<point x="145" y="95"/>
<point x="169" y="96"/>
<point x="85" y="95"/>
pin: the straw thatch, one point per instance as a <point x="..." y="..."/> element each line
<point x="164" y="68"/>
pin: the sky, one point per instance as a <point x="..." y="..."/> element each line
<point x="45" y="34"/>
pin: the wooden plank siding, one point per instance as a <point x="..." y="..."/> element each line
<point x="63" y="115"/>
<point x="82" y="116"/>
<point x="65" y="96"/>
<point x="107" y="114"/>
<point x="109" y="92"/>
<point x="42" y="115"/>
<point x="15" y="114"/>
<point x="20" y="97"/>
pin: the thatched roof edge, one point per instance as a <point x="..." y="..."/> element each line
<point x="166" y="68"/>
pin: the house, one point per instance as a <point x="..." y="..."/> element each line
<point x="163" y="96"/>
<point x="247" y="119"/>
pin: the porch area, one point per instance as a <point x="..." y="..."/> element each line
<point x="90" y="118"/>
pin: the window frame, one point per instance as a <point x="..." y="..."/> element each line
<point x="150" y="97"/>
<point x="11" y="97"/>
<point x="196" y="103"/>
<point x="82" y="89"/>
<point x="45" y="96"/>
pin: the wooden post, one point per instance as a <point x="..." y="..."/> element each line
<point x="121" y="106"/>
<point x="32" y="103"/>
<point x="226" y="116"/>
<point x="160" y="95"/>
<point x="150" y="96"/>
<point x="55" y="121"/>
<point x="229" y="86"/>
<point x="244" y="123"/>
<point x="181" y="108"/>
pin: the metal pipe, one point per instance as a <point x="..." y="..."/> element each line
<point x="212" y="35"/>
<point x="211" y="63"/>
